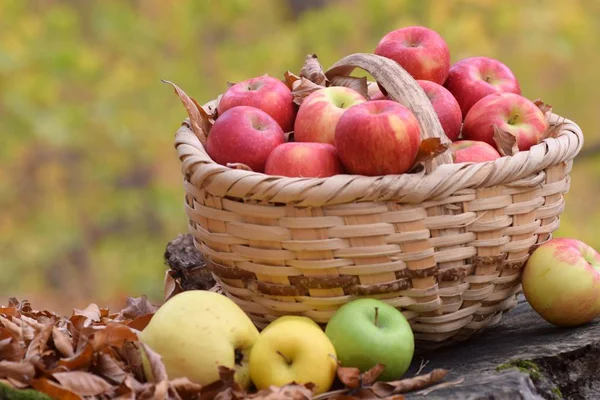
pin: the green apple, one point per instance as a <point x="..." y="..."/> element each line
<point x="293" y="350"/>
<point x="561" y="282"/>
<point x="197" y="331"/>
<point x="366" y="332"/>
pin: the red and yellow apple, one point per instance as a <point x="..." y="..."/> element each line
<point x="446" y="107"/>
<point x="246" y="135"/>
<point x="473" y="151"/>
<point x="377" y="138"/>
<point x="473" y="78"/>
<point x="263" y="92"/>
<point x="561" y="282"/>
<point x="421" y="51"/>
<point x="304" y="159"/>
<point x="509" y="112"/>
<point x="320" y="111"/>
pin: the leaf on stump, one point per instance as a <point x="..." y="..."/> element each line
<point x="62" y="342"/>
<point x="290" y="78"/>
<point x="53" y="389"/>
<point x="506" y="142"/>
<point x="358" y="84"/>
<point x="200" y="121"/>
<point x="21" y="371"/>
<point x="159" y="372"/>
<point x="171" y="285"/>
<point x="313" y="71"/>
<point x="83" y="383"/>
<point x="238" y="166"/>
<point x="302" y="89"/>
<point x="136" y="307"/>
<point x="383" y="389"/>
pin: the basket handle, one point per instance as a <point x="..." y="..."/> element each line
<point x="401" y="87"/>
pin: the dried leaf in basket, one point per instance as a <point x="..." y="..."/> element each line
<point x="238" y="166"/>
<point x="553" y="128"/>
<point x="429" y="149"/>
<point x="290" y="78"/>
<point x="200" y="120"/>
<point x="358" y="84"/>
<point x="383" y="389"/>
<point x="506" y="142"/>
<point x="302" y="88"/>
<point x="313" y="71"/>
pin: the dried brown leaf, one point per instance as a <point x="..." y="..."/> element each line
<point x="9" y="311"/>
<point x="130" y="353"/>
<point x="10" y="346"/>
<point x="17" y="383"/>
<point x="22" y="306"/>
<point x="290" y="78"/>
<point x="140" y="322"/>
<point x="53" y="389"/>
<point x="39" y="343"/>
<point x="313" y="71"/>
<point x="292" y="392"/>
<point x="506" y="142"/>
<point x="383" y="389"/>
<point x="349" y="376"/>
<point x="200" y="121"/>
<point x="62" y="342"/>
<point x="113" y="334"/>
<point x="370" y="376"/>
<point x="21" y="371"/>
<point x="81" y="359"/>
<point x="159" y="372"/>
<point x="171" y="285"/>
<point x="442" y="386"/>
<point x="239" y="166"/>
<point x="13" y="327"/>
<point x="91" y="313"/>
<point x="225" y="387"/>
<point x="134" y="385"/>
<point x="546" y="109"/>
<point x="83" y="383"/>
<point x="302" y="89"/>
<point x="184" y="387"/>
<point x="358" y="84"/>
<point x="107" y="366"/>
<point x="429" y="149"/>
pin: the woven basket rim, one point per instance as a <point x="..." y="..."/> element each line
<point x="520" y="169"/>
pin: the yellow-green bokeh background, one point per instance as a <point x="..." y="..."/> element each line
<point x="90" y="188"/>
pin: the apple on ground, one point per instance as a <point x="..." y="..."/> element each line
<point x="368" y="331"/>
<point x="378" y="137"/>
<point x="421" y="51"/>
<point x="473" y="78"/>
<point x="509" y="112"/>
<point x="473" y="151"/>
<point x="246" y="135"/>
<point x="304" y="159"/>
<point x="265" y="93"/>
<point x="197" y="331"/>
<point x="561" y="282"/>
<point x="446" y="107"/>
<point x="293" y="351"/>
<point x="320" y="111"/>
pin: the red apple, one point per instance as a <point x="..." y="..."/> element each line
<point x="510" y="112"/>
<point x="304" y="159"/>
<point x="266" y="93"/>
<point x="244" y="134"/>
<point x="422" y="52"/>
<point x="473" y="151"/>
<point x="378" y="137"/>
<point x="561" y="282"/>
<point x="473" y="78"/>
<point x="446" y="107"/>
<point x="320" y="111"/>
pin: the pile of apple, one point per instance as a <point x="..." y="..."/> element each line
<point x="337" y="129"/>
<point x="197" y="331"/>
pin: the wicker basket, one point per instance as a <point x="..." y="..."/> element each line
<point x="445" y="246"/>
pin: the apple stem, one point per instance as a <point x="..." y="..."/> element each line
<point x="377" y="317"/>
<point x="287" y="360"/>
<point x="487" y="79"/>
<point x="512" y="119"/>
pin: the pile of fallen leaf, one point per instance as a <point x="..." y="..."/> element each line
<point x="96" y="354"/>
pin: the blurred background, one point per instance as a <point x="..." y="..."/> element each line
<point x="90" y="185"/>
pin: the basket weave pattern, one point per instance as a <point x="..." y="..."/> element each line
<point x="446" y="246"/>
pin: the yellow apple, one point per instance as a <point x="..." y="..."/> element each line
<point x="290" y="318"/>
<point x="293" y="350"/>
<point x="197" y="331"/>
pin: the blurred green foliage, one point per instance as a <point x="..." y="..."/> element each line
<point x="90" y="188"/>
